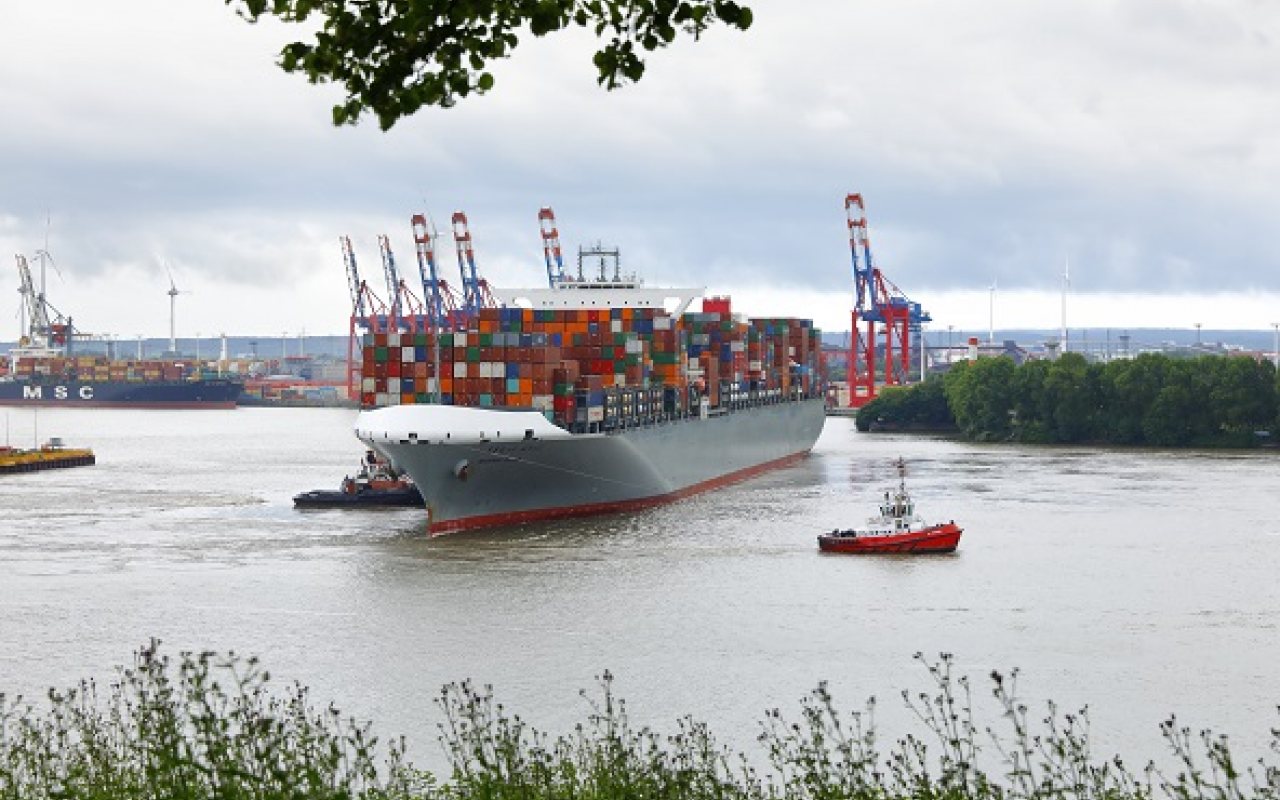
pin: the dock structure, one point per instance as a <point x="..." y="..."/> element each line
<point x="49" y="456"/>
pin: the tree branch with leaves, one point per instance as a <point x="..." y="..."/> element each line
<point x="394" y="57"/>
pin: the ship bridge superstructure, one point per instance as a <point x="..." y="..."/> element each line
<point x="608" y="287"/>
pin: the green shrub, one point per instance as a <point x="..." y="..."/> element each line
<point x="207" y="727"/>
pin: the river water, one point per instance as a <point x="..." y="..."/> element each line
<point x="1139" y="582"/>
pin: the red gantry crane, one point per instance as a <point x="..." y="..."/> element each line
<point x="876" y="302"/>
<point x="551" y="246"/>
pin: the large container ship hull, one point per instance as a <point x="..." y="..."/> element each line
<point x="199" y="394"/>
<point x="509" y="475"/>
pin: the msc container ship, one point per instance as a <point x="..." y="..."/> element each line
<point x="47" y="369"/>
<point x="589" y="398"/>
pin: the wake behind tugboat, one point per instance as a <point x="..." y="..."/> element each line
<point x="897" y="529"/>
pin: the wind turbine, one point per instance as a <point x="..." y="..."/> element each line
<point x="173" y="293"/>
<point x="1066" y="285"/>
<point x="991" y="315"/>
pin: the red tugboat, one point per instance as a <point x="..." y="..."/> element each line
<point x="896" y="530"/>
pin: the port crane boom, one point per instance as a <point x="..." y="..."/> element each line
<point x="551" y="246"/>
<point x="368" y="313"/>
<point x="37" y="311"/>
<point x="475" y="291"/>
<point x="392" y="276"/>
<point x="441" y="307"/>
<point x="880" y="310"/>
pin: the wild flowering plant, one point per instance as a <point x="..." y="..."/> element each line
<point x="207" y="726"/>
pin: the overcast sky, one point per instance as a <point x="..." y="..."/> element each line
<point x="993" y="141"/>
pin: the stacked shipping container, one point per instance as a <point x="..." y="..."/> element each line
<point x="589" y="369"/>
<point x="100" y="368"/>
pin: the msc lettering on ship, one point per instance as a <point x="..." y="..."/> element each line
<point x="59" y="393"/>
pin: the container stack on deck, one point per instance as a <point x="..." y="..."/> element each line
<point x="597" y="369"/>
<point x="100" y="368"/>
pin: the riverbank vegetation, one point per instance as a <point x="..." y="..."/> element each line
<point x="213" y="727"/>
<point x="1210" y="401"/>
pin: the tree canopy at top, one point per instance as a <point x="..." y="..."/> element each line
<point x="396" y="56"/>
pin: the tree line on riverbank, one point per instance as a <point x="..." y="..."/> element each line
<point x="206" y="726"/>
<point x="1210" y="401"/>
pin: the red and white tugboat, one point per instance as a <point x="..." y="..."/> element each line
<point x="898" y="529"/>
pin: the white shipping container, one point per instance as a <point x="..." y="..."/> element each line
<point x="755" y="366"/>
<point x="460" y="339"/>
<point x="595" y="414"/>
<point x="369" y="385"/>
<point x="738" y="347"/>
<point x="635" y="346"/>
<point x="615" y="326"/>
<point x="393" y="340"/>
<point x="393" y="385"/>
<point x="407" y="354"/>
<point x="460" y="369"/>
<point x="662" y="323"/>
<point x="544" y="402"/>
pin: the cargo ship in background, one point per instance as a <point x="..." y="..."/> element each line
<point x="587" y="397"/>
<point x="49" y="368"/>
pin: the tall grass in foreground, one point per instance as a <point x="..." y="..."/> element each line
<point x="205" y="726"/>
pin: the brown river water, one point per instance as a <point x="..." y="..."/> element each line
<point x="1140" y="582"/>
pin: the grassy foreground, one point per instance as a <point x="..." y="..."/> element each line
<point x="206" y="726"/>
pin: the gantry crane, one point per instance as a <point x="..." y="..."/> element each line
<point x="876" y="301"/>
<point x="551" y="246"/>
<point x="441" y="305"/>
<point x="407" y="310"/>
<point x="46" y="325"/>
<point x="391" y="275"/>
<point x="475" y="291"/>
<point x="368" y="314"/>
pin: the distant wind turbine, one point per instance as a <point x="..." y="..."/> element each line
<point x="991" y="315"/>
<point x="1066" y="286"/>
<point x="173" y="293"/>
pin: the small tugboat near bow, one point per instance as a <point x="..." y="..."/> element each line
<point x="897" y="529"/>
<point x="376" y="484"/>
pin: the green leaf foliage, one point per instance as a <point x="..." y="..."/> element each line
<point x="922" y="407"/>
<point x="210" y="727"/>
<point x="1210" y="401"/>
<point x="394" y="57"/>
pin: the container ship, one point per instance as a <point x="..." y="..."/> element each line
<point x="591" y="398"/>
<point x="48" y="368"/>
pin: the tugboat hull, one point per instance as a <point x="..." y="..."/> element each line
<point x="934" y="539"/>
<point x="323" y="498"/>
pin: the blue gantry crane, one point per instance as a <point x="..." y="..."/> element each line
<point x="880" y="309"/>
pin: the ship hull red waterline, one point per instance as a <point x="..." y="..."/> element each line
<point x="481" y="468"/>
<point x="596" y="509"/>
<point x="943" y="538"/>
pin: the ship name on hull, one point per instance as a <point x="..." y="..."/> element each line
<point x="59" y="393"/>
